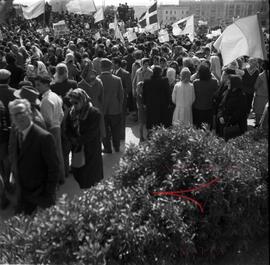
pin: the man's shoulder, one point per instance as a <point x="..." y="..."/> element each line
<point x="37" y="130"/>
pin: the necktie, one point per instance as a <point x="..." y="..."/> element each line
<point x="20" y="140"/>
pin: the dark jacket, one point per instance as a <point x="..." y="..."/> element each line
<point x="62" y="88"/>
<point x="232" y="107"/>
<point x="126" y="81"/>
<point x="204" y="93"/>
<point x="6" y="95"/>
<point x="130" y="60"/>
<point x="36" y="167"/>
<point x="92" y="171"/>
<point x="113" y="94"/>
<point x="17" y="75"/>
<point x="156" y="98"/>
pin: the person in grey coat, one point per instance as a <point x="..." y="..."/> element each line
<point x="113" y="106"/>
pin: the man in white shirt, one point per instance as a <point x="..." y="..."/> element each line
<point x="52" y="112"/>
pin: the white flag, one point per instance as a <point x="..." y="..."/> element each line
<point x="34" y="10"/>
<point x="81" y="6"/>
<point x="184" y="26"/>
<point x="243" y="37"/>
<point x="99" y="15"/>
<point x="163" y="36"/>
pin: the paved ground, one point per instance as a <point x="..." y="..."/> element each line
<point x="71" y="187"/>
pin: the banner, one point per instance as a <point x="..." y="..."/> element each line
<point x="60" y="28"/>
<point x="163" y="36"/>
<point x="131" y="36"/>
<point x="34" y="10"/>
<point x="81" y="7"/>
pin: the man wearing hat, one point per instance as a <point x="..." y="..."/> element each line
<point x="6" y="95"/>
<point x="36" y="162"/>
<point x="31" y="94"/>
<point x="113" y="106"/>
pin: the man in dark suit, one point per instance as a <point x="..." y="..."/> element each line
<point x="113" y="106"/>
<point x="34" y="160"/>
<point x="127" y="87"/>
<point x="6" y="95"/>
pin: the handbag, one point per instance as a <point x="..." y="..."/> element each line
<point x="78" y="158"/>
<point x="231" y="131"/>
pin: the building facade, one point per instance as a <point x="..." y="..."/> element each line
<point x="216" y="13"/>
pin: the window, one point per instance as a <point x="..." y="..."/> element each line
<point x="171" y="12"/>
<point x="166" y="11"/>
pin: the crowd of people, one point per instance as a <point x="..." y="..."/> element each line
<point x="71" y="95"/>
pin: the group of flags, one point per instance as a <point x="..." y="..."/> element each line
<point x="243" y="37"/>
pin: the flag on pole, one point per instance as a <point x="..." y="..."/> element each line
<point x="243" y="37"/>
<point x="34" y="10"/>
<point x="149" y="17"/>
<point x="81" y="6"/>
<point x="184" y="26"/>
<point x="99" y="15"/>
<point x="163" y="36"/>
<point x="117" y="32"/>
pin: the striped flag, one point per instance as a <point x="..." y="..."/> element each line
<point x="149" y="17"/>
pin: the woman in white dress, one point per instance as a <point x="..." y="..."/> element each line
<point x="183" y="97"/>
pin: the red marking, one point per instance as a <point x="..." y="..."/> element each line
<point x="178" y="193"/>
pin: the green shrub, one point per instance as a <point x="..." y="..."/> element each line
<point x="120" y="221"/>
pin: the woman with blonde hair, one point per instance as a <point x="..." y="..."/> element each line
<point x="183" y="96"/>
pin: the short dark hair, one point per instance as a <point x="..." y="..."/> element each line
<point x="204" y="73"/>
<point x="130" y="49"/>
<point x="236" y="82"/>
<point x="117" y="61"/>
<point x="156" y="71"/>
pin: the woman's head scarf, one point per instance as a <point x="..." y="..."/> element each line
<point x="80" y="96"/>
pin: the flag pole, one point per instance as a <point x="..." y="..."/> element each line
<point x="262" y="37"/>
<point x="263" y="48"/>
<point x="44" y="18"/>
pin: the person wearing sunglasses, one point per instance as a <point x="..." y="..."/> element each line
<point x="83" y="131"/>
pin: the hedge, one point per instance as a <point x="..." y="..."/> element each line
<point x="122" y="221"/>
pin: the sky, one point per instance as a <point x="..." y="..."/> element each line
<point x="116" y="2"/>
<point x="137" y="2"/>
